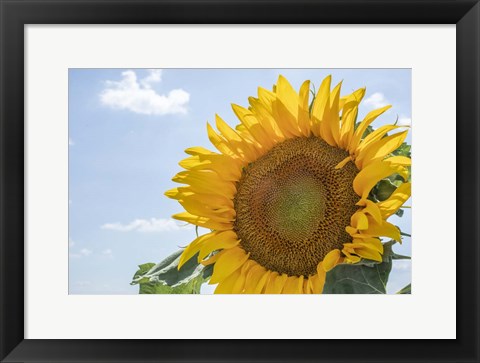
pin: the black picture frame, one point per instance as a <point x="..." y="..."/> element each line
<point x="15" y="14"/>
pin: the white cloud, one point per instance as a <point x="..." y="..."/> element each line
<point x="84" y="252"/>
<point x="71" y="243"/>
<point x="154" y="76"/>
<point x="107" y="253"/>
<point x="404" y="121"/>
<point x="70" y="142"/>
<point x="402" y="265"/>
<point x="139" y="97"/>
<point x="376" y="100"/>
<point x="83" y="283"/>
<point x="145" y="225"/>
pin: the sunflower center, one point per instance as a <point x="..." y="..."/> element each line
<point x="292" y="205"/>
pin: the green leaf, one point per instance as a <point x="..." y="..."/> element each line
<point x="314" y="95"/>
<point x="406" y="290"/>
<point x="368" y="131"/>
<point x="389" y="254"/>
<point x="358" y="279"/>
<point x="399" y="213"/>
<point x="404" y="234"/>
<point x="142" y="271"/>
<point x="166" y="278"/>
<point x="384" y="189"/>
<point x="192" y="287"/>
<point x="396" y="179"/>
<point x="364" y="277"/>
<point x="400" y="257"/>
<point x="207" y="272"/>
<point x="403" y="150"/>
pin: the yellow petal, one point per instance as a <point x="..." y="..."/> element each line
<point x="370" y="243"/>
<point x="172" y="193"/>
<point x="385" y="229"/>
<point x="309" y="287"/>
<point x="369" y="254"/>
<point x="351" y="101"/>
<point x="202" y="221"/>
<point x="371" y="116"/>
<point x="330" y="123"/>
<point x="236" y="143"/>
<point x="253" y="126"/>
<point x="320" y="104"/>
<point x="219" y="142"/>
<point x="205" y="181"/>
<point x="212" y="259"/>
<point x="222" y="240"/>
<point x="265" y="118"/>
<point x="349" y="258"/>
<point x="227" y="168"/>
<point x="361" y="235"/>
<point x="212" y="201"/>
<point x="239" y="285"/>
<point x="279" y="283"/>
<point x="276" y="284"/>
<point x="335" y="113"/>
<point x="399" y="160"/>
<point x="300" y="284"/>
<point x="229" y="261"/>
<point x="254" y="276"/>
<point x="379" y="149"/>
<point x="198" y="150"/>
<point x="351" y="230"/>
<point x="371" y="208"/>
<point x="293" y="285"/>
<point x="287" y="95"/>
<point x="226" y="286"/>
<point x="194" y="247"/>
<point x="266" y="97"/>
<point x="375" y="135"/>
<point x="192" y="162"/>
<point x="368" y="177"/>
<point x="348" y="125"/>
<point x="287" y="122"/>
<point x="194" y="206"/>
<point x="303" y="109"/>
<point x="331" y="260"/>
<point x="306" y="287"/>
<point x="395" y="201"/>
<point x="344" y="162"/>
<point x="215" y="201"/>
<point x="322" y="98"/>
<point x="359" y="220"/>
<point x="261" y="283"/>
<point x="318" y="281"/>
<point x="270" y="283"/>
<point x="227" y="132"/>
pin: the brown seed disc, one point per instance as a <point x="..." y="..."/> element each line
<point x="292" y="205"/>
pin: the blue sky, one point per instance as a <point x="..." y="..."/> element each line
<point x="128" y="129"/>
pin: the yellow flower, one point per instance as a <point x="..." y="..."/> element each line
<point x="286" y="197"/>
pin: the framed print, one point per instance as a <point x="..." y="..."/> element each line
<point x="305" y="195"/>
<point x="239" y="181"/>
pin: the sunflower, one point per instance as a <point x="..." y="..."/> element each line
<point x="287" y="195"/>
